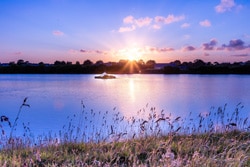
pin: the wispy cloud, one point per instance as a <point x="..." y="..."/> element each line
<point x="206" y="54"/>
<point x="185" y="25"/>
<point x="158" y="50"/>
<point x="205" y="23"/>
<point x="235" y="44"/>
<point x="92" y="51"/>
<point x="57" y="33"/>
<point x="186" y="37"/>
<point x="73" y="51"/>
<point x="132" y="23"/>
<point x="210" y="45"/>
<point x="143" y="21"/>
<point x="227" y="5"/>
<point x="188" y="48"/>
<point x="169" y="19"/>
<point x="127" y="29"/>
<point x="156" y="27"/>
<point x="128" y="20"/>
<point x="241" y="55"/>
<point x="140" y="22"/>
<point x="17" y="53"/>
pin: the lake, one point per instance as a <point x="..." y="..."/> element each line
<point x="56" y="101"/>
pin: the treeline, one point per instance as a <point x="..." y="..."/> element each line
<point x="125" y="67"/>
<point x="87" y="67"/>
<point x="201" y="67"/>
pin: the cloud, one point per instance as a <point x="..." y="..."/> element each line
<point x="158" y="50"/>
<point x="227" y="5"/>
<point x="188" y="48"/>
<point x="98" y="51"/>
<point x="92" y="51"/>
<point x="73" y="51"/>
<point x="143" y="21"/>
<point x="185" y="25"/>
<point x="156" y="27"/>
<point x="206" y="54"/>
<point x="210" y="46"/>
<point x="128" y="20"/>
<point x="133" y="23"/>
<point x="205" y="23"/>
<point x="246" y="36"/>
<point x="84" y="51"/>
<point x="169" y="19"/>
<point x="140" y="22"/>
<point x="127" y="29"/>
<point x="57" y="33"/>
<point x="17" y="53"/>
<point x="241" y="55"/>
<point x="187" y="36"/>
<point x="166" y="49"/>
<point x="235" y="44"/>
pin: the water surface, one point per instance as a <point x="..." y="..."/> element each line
<point x="55" y="97"/>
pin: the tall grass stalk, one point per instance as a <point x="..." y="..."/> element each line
<point x="153" y="138"/>
<point x="24" y="104"/>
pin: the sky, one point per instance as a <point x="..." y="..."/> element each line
<point x="111" y="30"/>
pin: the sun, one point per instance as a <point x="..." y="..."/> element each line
<point x="133" y="54"/>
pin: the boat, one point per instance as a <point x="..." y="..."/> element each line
<point x="105" y="76"/>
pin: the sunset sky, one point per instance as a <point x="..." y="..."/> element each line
<point x="110" y="30"/>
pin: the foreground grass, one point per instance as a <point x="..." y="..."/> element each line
<point x="212" y="149"/>
<point x="214" y="138"/>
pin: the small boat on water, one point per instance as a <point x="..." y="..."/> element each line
<point x="105" y="76"/>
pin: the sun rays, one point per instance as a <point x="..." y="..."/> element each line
<point x="130" y="67"/>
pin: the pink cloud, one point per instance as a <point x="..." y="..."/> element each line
<point x="165" y="49"/>
<point x="159" y="50"/>
<point x="235" y="44"/>
<point x="156" y="27"/>
<point x="241" y="55"/>
<point x="185" y="25"/>
<point x="169" y="19"/>
<point x="188" y="48"/>
<point x="226" y="5"/>
<point x="210" y="45"/>
<point x="83" y="51"/>
<point x="159" y="19"/>
<point x="17" y="53"/>
<point x="127" y="29"/>
<point x="57" y="33"/>
<point x="147" y="21"/>
<point x="72" y="51"/>
<point x="92" y="51"/>
<point x="205" y="23"/>
<point x="128" y="20"/>
<point x="206" y="54"/>
<point x="143" y="21"/>
<point x="98" y="52"/>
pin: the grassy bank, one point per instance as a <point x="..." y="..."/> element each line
<point x="214" y="149"/>
<point x="214" y="138"/>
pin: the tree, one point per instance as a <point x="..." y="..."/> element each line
<point x="199" y="63"/>
<point x="141" y="62"/>
<point x="87" y="63"/>
<point x="20" y="62"/>
<point x="150" y="63"/>
<point x="99" y="62"/>
<point x="77" y="63"/>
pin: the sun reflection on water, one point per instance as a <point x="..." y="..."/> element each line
<point x="132" y="90"/>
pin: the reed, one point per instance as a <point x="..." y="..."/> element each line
<point x="153" y="138"/>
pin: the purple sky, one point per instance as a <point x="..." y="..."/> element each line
<point x="110" y="30"/>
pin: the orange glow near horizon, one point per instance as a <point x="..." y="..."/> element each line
<point x="131" y="67"/>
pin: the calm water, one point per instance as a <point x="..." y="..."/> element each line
<point x="55" y="97"/>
